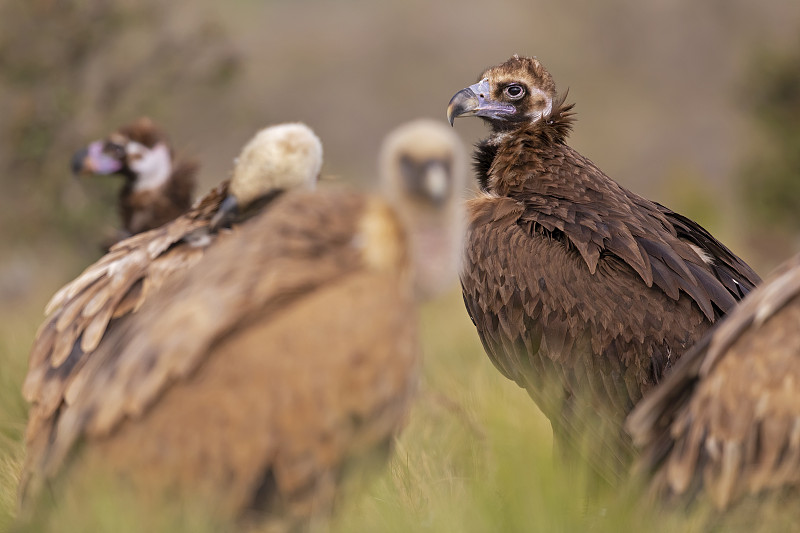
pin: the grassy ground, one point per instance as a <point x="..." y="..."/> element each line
<point x="475" y="455"/>
<point x="17" y="328"/>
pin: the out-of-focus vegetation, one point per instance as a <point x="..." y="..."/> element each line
<point x="657" y="86"/>
<point x="69" y="69"/>
<point x="771" y="175"/>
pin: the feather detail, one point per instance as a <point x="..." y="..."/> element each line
<point x="600" y="289"/>
<point x="726" y="421"/>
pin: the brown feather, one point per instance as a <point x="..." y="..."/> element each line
<point x="109" y="292"/>
<point x="104" y="293"/>
<point x="725" y="422"/>
<point x="255" y="377"/>
<point x="100" y="289"/>
<point x="611" y="292"/>
<point x="198" y="360"/>
<point x="133" y="298"/>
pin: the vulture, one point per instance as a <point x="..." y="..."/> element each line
<point x="582" y="292"/>
<point x="724" y="426"/>
<point x="285" y="358"/>
<point x="82" y="313"/>
<point x="157" y="187"/>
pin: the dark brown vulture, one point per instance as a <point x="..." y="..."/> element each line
<point x="726" y="421"/>
<point x="157" y="187"/>
<point x="288" y="352"/>
<point x="582" y="292"/>
<point x="85" y="310"/>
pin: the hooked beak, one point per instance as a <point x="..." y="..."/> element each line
<point x="92" y="160"/>
<point x="475" y="101"/>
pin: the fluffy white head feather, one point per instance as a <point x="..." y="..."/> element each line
<point x="285" y="156"/>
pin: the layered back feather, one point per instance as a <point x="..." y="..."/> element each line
<point x="725" y="425"/>
<point x="583" y="292"/>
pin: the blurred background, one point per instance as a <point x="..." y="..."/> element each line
<point x="693" y="104"/>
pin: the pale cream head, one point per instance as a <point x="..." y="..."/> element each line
<point x="423" y="175"/>
<point x="285" y="156"/>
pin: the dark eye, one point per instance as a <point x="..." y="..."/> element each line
<point x="514" y="91"/>
<point x="115" y="150"/>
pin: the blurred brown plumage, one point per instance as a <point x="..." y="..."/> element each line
<point x="84" y="311"/>
<point x="725" y="425"/>
<point x="582" y="292"/>
<point x="284" y="357"/>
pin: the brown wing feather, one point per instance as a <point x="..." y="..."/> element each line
<point x="362" y="371"/>
<point x="305" y="259"/>
<point x="598" y="217"/>
<point x="614" y="287"/>
<point x="81" y="312"/>
<point x="735" y="274"/>
<point x="727" y="421"/>
<point x="600" y="334"/>
<point x="209" y="307"/>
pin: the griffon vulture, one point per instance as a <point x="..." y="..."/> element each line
<point x="83" y="312"/>
<point x="285" y="356"/>
<point x="726" y="422"/>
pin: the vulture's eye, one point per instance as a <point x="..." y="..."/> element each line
<point x="514" y="91"/>
<point x="115" y="150"/>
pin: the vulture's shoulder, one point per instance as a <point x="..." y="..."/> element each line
<point x="726" y="420"/>
<point x="528" y="289"/>
<point x="572" y="199"/>
<point x="80" y="314"/>
<point x="735" y="274"/>
<point x="266" y="266"/>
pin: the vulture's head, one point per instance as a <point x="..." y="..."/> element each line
<point x="277" y="158"/>
<point x="423" y="173"/>
<point x="138" y="151"/>
<point x="515" y="92"/>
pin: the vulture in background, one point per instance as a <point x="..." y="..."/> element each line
<point x="725" y="424"/>
<point x="157" y="188"/>
<point x="582" y="292"/>
<point x="82" y="313"/>
<point x="285" y="357"/>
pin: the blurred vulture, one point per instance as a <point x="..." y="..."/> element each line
<point x="83" y="312"/>
<point x="582" y="292"/>
<point x="285" y="355"/>
<point x="157" y="187"/>
<point x="726" y="422"/>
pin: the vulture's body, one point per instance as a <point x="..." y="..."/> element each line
<point x="158" y="187"/>
<point x="582" y="292"/>
<point x="725" y="425"/>
<point x="102" y="298"/>
<point x="286" y="355"/>
<point x="250" y="383"/>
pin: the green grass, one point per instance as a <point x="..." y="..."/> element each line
<point x="17" y="328"/>
<point x="475" y="456"/>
